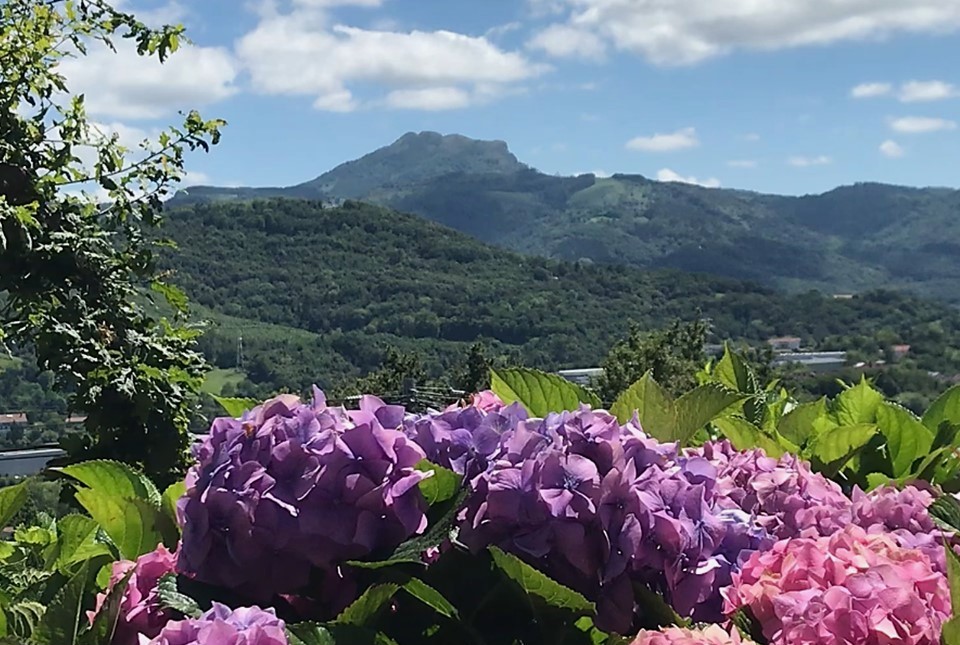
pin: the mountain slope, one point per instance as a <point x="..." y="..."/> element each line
<point x="851" y="239"/>
<point x="316" y="293"/>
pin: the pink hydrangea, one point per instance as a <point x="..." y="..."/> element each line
<point x="710" y="635"/>
<point x="847" y="589"/>
<point x="486" y="401"/>
<point x="140" y="610"/>
<point x="221" y="625"/>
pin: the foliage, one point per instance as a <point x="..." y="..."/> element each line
<point x="72" y="266"/>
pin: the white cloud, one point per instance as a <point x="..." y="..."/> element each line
<point x="891" y="149"/>
<point x="565" y="41"/>
<point x="742" y="163"/>
<point x="195" y="178"/>
<point x="170" y="13"/>
<point x="680" y="140"/>
<point x="806" y="162"/>
<point x="871" y="90"/>
<point x="500" y="30"/>
<point x="751" y="136"/>
<point x="300" y="53"/>
<point x="921" y="124"/>
<point x="672" y="32"/>
<point x="124" y="85"/>
<point x="668" y="175"/>
<point x="430" y="99"/>
<point x="917" y="91"/>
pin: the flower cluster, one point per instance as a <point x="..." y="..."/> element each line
<point x="599" y="506"/>
<point x="291" y="490"/>
<point x="851" y="587"/>
<point x="223" y="626"/>
<point x="710" y="635"/>
<point x="141" y="612"/>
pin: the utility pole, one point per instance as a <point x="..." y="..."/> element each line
<point x="240" y="352"/>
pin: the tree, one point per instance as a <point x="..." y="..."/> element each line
<point x="674" y="355"/>
<point x="75" y="268"/>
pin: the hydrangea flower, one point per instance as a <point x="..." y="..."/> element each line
<point x="852" y="587"/>
<point x="291" y="489"/>
<point x="710" y="635"/>
<point x="141" y="612"/>
<point x="222" y="626"/>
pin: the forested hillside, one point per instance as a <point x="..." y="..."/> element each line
<point x="851" y="239"/>
<point x="319" y="293"/>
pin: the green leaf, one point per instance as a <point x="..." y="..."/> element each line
<point x="77" y="540"/>
<point x="368" y="605"/>
<point x="950" y="632"/>
<point x="947" y="435"/>
<point x="876" y="480"/>
<point x="953" y="577"/>
<point x="439" y="487"/>
<point x="318" y="634"/>
<point x="534" y="583"/>
<point x="837" y="446"/>
<point x="105" y="622"/>
<point x="857" y="405"/>
<point x="12" y="499"/>
<point x="170" y="597"/>
<point x="235" y="407"/>
<point x="653" y="406"/>
<point x="174" y="296"/>
<point x="797" y="425"/>
<point x="746" y="436"/>
<point x="700" y="406"/>
<point x="130" y="523"/>
<point x="907" y="438"/>
<point x="169" y="527"/>
<point x="309" y="634"/>
<point x="655" y="612"/>
<point x="734" y="373"/>
<point x="113" y="478"/>
<point x="946" y="511"/>
<point x="430" y="597"/>
<point x="60" y="624"/>
<point x="540" y="393"/>
<point x="748" y="626"/>
<point x="410" y="551"/>
<point x="945" y="408"/>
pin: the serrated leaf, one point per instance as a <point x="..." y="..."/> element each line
<point x="945" y="408"/>
<point x="946" y="509"/>
<point x="748" y="626"/>
<point x="77" y="540"/>
<point x="857" y="405"/>
<point x="440" y="486"/>
<point x="410" y="551"/>
<point x="698" y="407"/>
<point x="430" y="597"/>
<point x="169" y="527"/>
<point x="113" y="478"/>
<point x="12" y="499"/>
<point x="309" y="634"/>
<point x="60" y="624"/>
<point x="837" y="446"/>
<point x="170" y="597"/>
<point x="653" y="406"/>
<point x="655" y="612"/>
<point x="368" y="605"/>
<point x="130" y="523"/>
<point x="235" y="407"/>
<point x="798" y="425"/>
<point x="540" y="393"/>
<point x="907" y="438"/>
<point x="105" y="622"/>
<point x="950" y="632"/>
<point x="953" y="577"/>
<point x="743" y="435"/>
<point x="946" y="435"/>
<point x="535" y="583"/>
<point x="734" y="373"/>
<point x="876" y="480"/>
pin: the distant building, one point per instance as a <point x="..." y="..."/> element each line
<point x="9" y="420"/>
<point x="816" y="361"/>
<point x="843" y="296"/>
<point x="785" y="343"/>
<point x="582" y="376"/>
<point x="899" y="351"/>
<point x="27" y="462"/>
<point x="75" y="420"/>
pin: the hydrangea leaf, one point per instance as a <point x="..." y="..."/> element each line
<point x="857" y="404"/>
<point x="235" y="407"/>
<point x="698" y="407"/>
<point x="440" y="486"/>
<point x="130" y="523"/>
<point x="113" y="478"/>
<point x="734" y="373"/>
<point x="653" y="406"/>
<point x="945" y="510"/>
<point x="171" y="597"/>
<point x="837" y="446"/>
<point x="105" y="622"/>
<point x="945" y="408"/>
<point x="12" y="499"/>
<point x="746" y="436"/>
<point x="77" y="540"/>
<point x="170" y="528"/>
<point x="797" y="425"/>
<point x="535" y="583"/>
<point x="907" y="438"/>
<point x="953" y="576"/>
<point x="540" y="393"/>
<point x="368" y="605"/>
<point x="309" y="634"/>
<point x="430" y="597"/>
<point x="317" y="634"/>
<point x="61" y="621"/>
<point x="950" y="632"/>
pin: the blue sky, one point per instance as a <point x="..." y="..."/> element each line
<point x="789" y="97"/>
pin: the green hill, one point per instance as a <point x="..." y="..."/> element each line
<point x="851" y="239"/>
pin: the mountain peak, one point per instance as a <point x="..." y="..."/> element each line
<point x="414" y="158"/>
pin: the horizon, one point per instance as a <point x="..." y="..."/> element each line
<point x="789" y="101"/>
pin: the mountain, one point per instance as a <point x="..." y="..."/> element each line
<point x="317" y="293"/>
<point x="851" y="239"/>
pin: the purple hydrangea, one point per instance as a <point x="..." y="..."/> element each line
<point x="292" y="490"/>
<point x="222" y="626"/>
